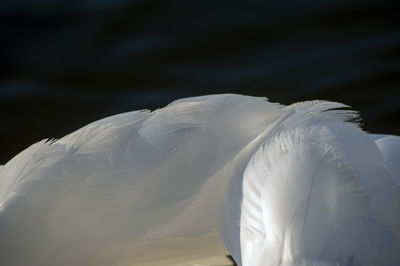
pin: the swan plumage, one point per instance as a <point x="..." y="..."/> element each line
<point x="273" y="184"/>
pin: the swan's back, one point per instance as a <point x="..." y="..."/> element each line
<point x="138" y="188"/>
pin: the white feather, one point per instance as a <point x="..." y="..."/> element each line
<point x="317" y="193"/>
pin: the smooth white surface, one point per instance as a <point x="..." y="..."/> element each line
<point x="278" y="185"/>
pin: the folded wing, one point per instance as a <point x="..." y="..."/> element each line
<point x="138" y="188"/>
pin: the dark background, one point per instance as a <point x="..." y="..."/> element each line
<point x="64" y="64"/>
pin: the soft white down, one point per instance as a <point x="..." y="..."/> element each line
<point x="201" y="178"/>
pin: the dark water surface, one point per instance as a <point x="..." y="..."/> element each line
<point x="64" y="64"/>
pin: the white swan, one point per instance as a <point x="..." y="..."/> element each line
<point x="294" y="185"/>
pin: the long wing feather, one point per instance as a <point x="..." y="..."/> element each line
<point x="390" y="148"/>
<point x="317" y="193"/>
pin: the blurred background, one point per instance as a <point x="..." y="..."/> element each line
<point x="64" y="64"/>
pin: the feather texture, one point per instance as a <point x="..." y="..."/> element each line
<point x="275" y="185"/>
